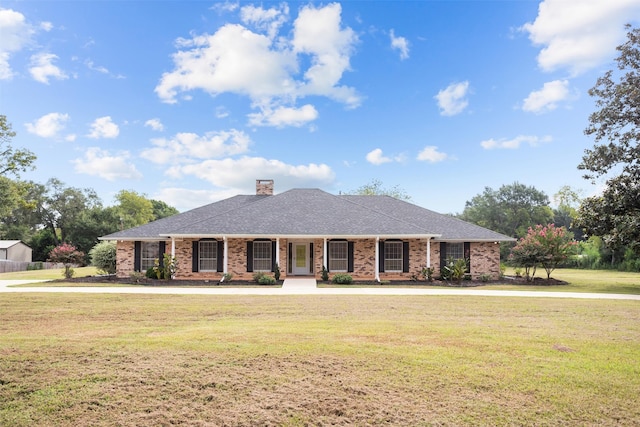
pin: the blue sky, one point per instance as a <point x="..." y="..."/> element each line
<point x="190" y="102"/>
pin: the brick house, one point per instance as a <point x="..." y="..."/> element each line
<point x="303" y="231"/>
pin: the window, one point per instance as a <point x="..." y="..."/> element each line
<point x="338" y="258"/>
<point x="150" y="251"/>
<point x="208" y="253"/>
<point x="455" y="251"/>
<point x="392" y="256"/>
<point x="262" y="256"/>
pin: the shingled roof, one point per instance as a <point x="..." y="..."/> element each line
<point x="310" y="213"/>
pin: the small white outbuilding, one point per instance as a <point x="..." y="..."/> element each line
<point x="15" y="250"/>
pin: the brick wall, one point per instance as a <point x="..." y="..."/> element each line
<point x="485" y="259"/>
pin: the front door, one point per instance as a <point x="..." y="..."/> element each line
<point x="300" y="258"/>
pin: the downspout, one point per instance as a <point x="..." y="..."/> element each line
<point x="277" y="254"/>
<point x="224" y="257"/>
<point x="173" y="252"/>
<point x="324" y="255"/>
<point x="377" y="266"/>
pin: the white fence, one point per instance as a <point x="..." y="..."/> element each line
<point x="10" y="266"/>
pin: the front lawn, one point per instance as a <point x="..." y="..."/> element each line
<point x="106" y="360"/>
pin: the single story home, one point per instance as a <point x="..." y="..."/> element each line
<point x="15" y="250"/>
<point x="303" y="231"/>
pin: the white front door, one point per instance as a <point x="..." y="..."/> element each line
<point x="300" y="258"/>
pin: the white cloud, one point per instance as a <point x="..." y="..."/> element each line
<point x="42" y="68"/>
<point x="401" y="44"/>
<point x="547" y="98"/>
<point x="284" y="116"/>
<point x="154" y="124"/>
<point x="579" y="35"/>
<point x="375" y="157"/>
<point x="46" y="26"/>
<point x="49" y="125"/>
<point x="317" y="32"/>
<point x="431" y="154"/>
<point x="265" y="67"/>
<point x="16" y="34"/>
<point x="92" y="66"/>
<point x="241" y="173"/>
<point x="100" y="163"/>
<point x="269" y="20"/>
<point x="514" y="143"/>
<point x="104" y="127"/>
<point x="185" y="147"/>
<point x="453" y="99"/>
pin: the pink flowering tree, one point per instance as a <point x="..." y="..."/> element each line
<point x="544" y="245"/>
<point x="68" y="255"/>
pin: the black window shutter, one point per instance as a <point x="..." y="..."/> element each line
<point x="381" y="256"/>
<point x="274" y="256"/>
<point x="250" y="256"/>
<point x="137" y="254"/>
<point x="350" y="257"/>
<point x="443" y="256"/>
<point x="290" y="259"/>
<point x="467" y="255"/>
<point x="311" y="257"/>
<point x="220" y="255"/>
<point x="405" y="257"/>
<point x="195" y="256"/>
<point x="162" y="246"/>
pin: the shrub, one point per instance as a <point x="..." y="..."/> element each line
<point x="484" y="277"/>
<point x="267" y="280"/>
<point x="427" y="273"/>
<point x="277" y="272"/>
<point x="455" y="269"/>
<point x="325" y="274"/>
<point x="343" y="279"/>
<point x="258" y="275"/>
<point x="151" y="273"/>
<point x="227" y="277"/>
<point x="103" y="257"/>
<point x="136" y="276"/>
<point x="68" y="255"/>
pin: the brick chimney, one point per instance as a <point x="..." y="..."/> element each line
<point x="264" y="187"/>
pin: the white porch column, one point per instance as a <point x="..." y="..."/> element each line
<point x="429" y="252"/>
<point x="377" y="268"/>
<point x="324" y="255"/>
<point x="225" y="251"/>
<point x="173" y="247"/>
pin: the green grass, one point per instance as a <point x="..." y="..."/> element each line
<point x="55" y="273"/>
<point x="601" y="281"/>
<point x="76" y="359"/>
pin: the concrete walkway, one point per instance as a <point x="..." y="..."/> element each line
<point x="301" y="287"/>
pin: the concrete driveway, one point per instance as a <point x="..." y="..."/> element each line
<point x="301" y="287"/>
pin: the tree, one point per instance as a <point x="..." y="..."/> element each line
<point x="375" y="188"/>
<point x="510" y="210"/>
<point x="547" y="246"/>
<point x="567" y="200"/>
<point x="12" y="161"/>
<point x="68" y="255"/>
<point x="134" y="209"/>
<point x="60" y="208"/>
<point x="615" y="126"/>
<point x="162" y="210"/>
